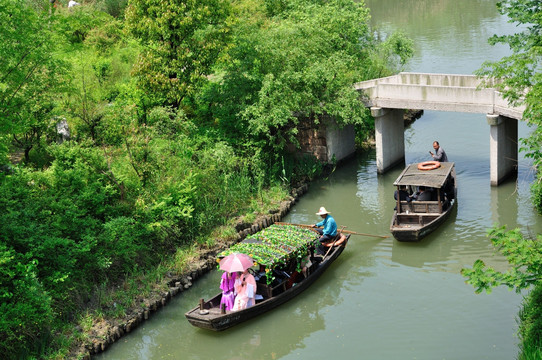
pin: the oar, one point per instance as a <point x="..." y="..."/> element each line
<point x="344" y="231"/>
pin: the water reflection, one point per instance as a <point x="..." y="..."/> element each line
<point x="423" y="15"/>
<point x="431" y="254"/>
<point x="450" y="35"/>
<point x="503" y="204"/>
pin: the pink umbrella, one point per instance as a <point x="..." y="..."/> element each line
<point x="236" y="262"/>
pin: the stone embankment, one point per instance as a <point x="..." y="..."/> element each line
<point x="109" y="331"/>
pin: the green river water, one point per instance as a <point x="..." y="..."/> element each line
<point x="383" y="299"/>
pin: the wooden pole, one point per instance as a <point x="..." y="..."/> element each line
<point x="332" y="245"/>
<point x="344" y="231"/>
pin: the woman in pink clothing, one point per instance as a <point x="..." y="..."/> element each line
<point x="245" y="286"/>
<point x="227" y="284"/>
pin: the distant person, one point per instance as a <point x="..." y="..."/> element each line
<point x="423" y="194"/>
<point x="328" y="232"/>
<point x="403" y="194"/>
<point x="440" y="154"/>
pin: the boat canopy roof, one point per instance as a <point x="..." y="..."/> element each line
<point x="275" y="245"/>
<point x="435" y="178"/>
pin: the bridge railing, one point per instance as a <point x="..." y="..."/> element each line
<point x="408" y="78"/>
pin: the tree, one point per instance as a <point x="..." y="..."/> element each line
<point x="292" y="60"/>
<point x="29" y="74"/>
<point x="25" y="309"/>
<point x="520" y="75"/>
<point x="182" y="40"/>
<point x="100" y="58"/>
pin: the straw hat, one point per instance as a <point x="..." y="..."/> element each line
<point x="323" y="211"/>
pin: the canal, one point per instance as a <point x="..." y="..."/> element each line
<point x="383" y="299"/>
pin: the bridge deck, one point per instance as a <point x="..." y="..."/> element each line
<point x="443" y="92"/>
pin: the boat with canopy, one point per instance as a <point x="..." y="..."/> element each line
<point x="284" y="266"/>
<point x="414" y="219"/>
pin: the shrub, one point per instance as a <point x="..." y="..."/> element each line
<point x="530" y="329"/>
<point x="25" y="308"/>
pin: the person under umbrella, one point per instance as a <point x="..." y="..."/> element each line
<point x="244" y="284"/>
<point x="245" y="287"/>
<point x="227" y="285"/>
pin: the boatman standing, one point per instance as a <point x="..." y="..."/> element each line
<point x="329" y="230"/>
<point x="440" y="154"/>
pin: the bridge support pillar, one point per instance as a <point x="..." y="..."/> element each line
<point x="389" y="137"/>
<point x="503" y="145"/>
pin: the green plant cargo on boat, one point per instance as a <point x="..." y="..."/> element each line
<point x="275" y="245"/>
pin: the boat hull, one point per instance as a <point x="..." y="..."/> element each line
<point x="407" y="232"/>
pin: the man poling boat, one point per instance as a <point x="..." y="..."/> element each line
<point x="328" y="232"/>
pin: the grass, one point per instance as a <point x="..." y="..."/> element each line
<point x="86" y="321"/>
<point x="530" y="352"/>
<point x="184" y="257"/>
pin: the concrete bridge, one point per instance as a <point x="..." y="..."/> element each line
<point x="389" y="96"/>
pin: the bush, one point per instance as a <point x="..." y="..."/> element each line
<point x="25" y="308"/>
<point x="536" y="192"/>
<point x="124" y="245"/>
<point x="56" y="217"/>
<point x="530" y="329"/>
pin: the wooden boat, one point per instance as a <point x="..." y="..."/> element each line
<point x="209" y="315"/>
<point x="412" y="220"/>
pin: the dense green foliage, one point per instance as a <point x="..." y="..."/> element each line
<point x="182" y="40"/>
<point x="263" y="86"/>
<point x="182" y="114"/>
<point x="520" y="79"/>
<point x="30" y="74"/>
<point x="521" y="76"/>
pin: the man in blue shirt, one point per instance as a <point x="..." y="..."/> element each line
<point x="329" y="230"/>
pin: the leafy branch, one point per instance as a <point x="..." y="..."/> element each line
<point x="524" y="256"/>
